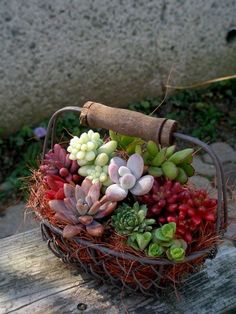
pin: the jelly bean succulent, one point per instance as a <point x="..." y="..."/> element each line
<point x="127" y="220"/>
<point x="127" y="177"/>
<point x="89" y="148"/>
<point x="93" y="155"/>
<point x="81" y="209"/>
<point x="57" y="162"/>
<point x="168" y="163"/>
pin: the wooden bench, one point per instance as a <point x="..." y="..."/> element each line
<point x="33" y="280"/>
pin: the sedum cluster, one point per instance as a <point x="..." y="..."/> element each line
<point x="83" y="149"/>
<point x="92" y="155"/>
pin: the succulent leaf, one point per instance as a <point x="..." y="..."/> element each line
<point x="182" y="176"/>
<point x="95" y="229"/>
<point x="71" y="231"/>
<point x="116" y="193"/>
<point x="155" y="171"/>
<point x="152" y="148"/>
<point x="170" y="170"/>
<point x="180" y="156"/>
<point x="143" y="239"/>
<point x="135" y="164"/>
<point x="113" y="172"/>
<point x="143" y="185"/>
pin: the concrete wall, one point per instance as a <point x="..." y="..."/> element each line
<point x="56" y="52"/>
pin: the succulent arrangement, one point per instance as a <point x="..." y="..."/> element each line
<point x="132" y="188"/>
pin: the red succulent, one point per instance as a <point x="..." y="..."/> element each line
<point x="169" y="201"/>
<point x="56" y="187"/>
<point x="57" y="162"/>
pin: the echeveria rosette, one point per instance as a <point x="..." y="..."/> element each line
<point x="177" y="250"/>
<point x="128" y="220"/>
<point x="165" y="234"/>
<point x="155" y="250"/>
<point x="127" y="177"/>
<point x="81" y="208"/>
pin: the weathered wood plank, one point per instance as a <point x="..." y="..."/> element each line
<point x="33" y="280"/>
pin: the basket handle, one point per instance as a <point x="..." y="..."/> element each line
<point x="131" y="123"/>
<point x="128" y="122"/>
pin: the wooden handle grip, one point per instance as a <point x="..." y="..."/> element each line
<point x="128" y="122"/>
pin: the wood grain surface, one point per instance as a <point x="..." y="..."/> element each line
<point x="33" y="280"/>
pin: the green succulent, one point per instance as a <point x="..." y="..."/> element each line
<point x="127" y="143"/>
<point x="177" y="251"/>
<point x="165" y="234"/>
<point x="168" y="163"/>
<point x="160" y="242"/>
<point x="128" y="220"/>
<point x="155" y="250"/>
<point x="139" y="241"/>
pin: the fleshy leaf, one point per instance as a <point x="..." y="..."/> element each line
<point x="94" y="192"/>
<point x="127" y="181"/>
<point x="79" y="193"/>
<point x="116" y="193"/>
<point x="113" y="172"/>
<point x="95" y="229"/>
<point x="143" y="239"/>
<point x="59" y="207"/>
<point x="135" y="164"/>
<point x="86" y="185"/>
<point x="70" y="231"/>
<point x="143" y="185"/>
<point x="105" y="210"/>
<point x="118" y="161"/>
<point x="69" y="190"/>
<point x="94" y="209"/>
<point x="86" y="219"/>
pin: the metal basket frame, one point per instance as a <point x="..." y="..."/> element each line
<point x="53" y="234"/>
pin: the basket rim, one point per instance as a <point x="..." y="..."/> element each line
<point x="127" y="256"/>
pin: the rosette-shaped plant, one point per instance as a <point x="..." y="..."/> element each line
<point x="81" y="208"/>
<point x="57" y="162"/>
<point x="166" y="233"/>
<point x="155" y="250"/>
<point x="127" y="176"/>
<point x="128" y="220"/>
<point x="176" y="252"/>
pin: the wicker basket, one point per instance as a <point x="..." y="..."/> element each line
<point x="119" y="268"/>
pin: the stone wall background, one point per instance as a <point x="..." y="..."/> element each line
<point x="56" y="53"/>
